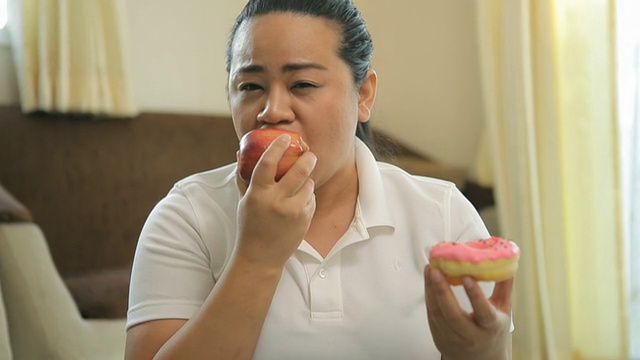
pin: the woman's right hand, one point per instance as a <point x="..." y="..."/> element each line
<point x="273" y="217"/>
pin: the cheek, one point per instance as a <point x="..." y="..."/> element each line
<point x="237" y="119"/>
<point x="337" y="127"/>
<point x="237" y="104"/>
<point x="333" y="141"/>
<point x="244" y="118"/>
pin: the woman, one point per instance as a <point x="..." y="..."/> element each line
<point x="328" y="262"/>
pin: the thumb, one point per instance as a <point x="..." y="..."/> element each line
<point x="501" y="296"/>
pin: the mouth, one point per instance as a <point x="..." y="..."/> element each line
<point x="285" y="128"/>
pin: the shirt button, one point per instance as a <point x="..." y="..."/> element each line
<point x="322" y="274"/>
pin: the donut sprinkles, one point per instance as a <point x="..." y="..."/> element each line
<point x="492" y="259"/>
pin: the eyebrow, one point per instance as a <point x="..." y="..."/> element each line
<point x="285" y="68"/>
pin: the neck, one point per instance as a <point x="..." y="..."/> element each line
<point x="340" y="191"/>
<point x="335" y="208"/>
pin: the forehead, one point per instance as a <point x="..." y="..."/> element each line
<point x="285" y="36"/>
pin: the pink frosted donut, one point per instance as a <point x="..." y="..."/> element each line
<point x="493" y="259"/>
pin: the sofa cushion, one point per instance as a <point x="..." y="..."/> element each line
<point x="101" y="295"/>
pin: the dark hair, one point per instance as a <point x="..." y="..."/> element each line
<point x="356" y="47"/>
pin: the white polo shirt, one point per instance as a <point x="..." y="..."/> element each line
<point x="365" y="300"/>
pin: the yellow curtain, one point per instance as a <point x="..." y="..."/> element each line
<point x="70" y="56"/>
<point x="548" y="74"/>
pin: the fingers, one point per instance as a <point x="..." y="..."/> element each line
<point x="484" y="314"/>
<point x="434" y="315"/>
<point x="294" y="193"/>
<point x="266" y="167"/>
<point x="296" y="178"/>
<point x="457" y="334"/>
<point x="443" y="306"/>
<point x="441" y="302"/>
<point x="446" y="301"/>
<point x="301" y="170"/>
<point x="501" y="296"/>
<point x="432" y="302"/>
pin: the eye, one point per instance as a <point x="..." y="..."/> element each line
<point x="303" y="85"/>
<point x="249" y="87"/>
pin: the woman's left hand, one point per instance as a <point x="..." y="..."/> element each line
<point x="482" y="334"/>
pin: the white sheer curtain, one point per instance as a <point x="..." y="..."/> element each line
<point x="71" y="56"/>
<point x="550" y="104"/>
<point x="628" y="38"/>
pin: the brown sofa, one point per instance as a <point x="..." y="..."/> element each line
<point x="90" y="184"/>
<point x="39" y="318"/>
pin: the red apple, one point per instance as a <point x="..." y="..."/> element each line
<point x="255" y="142"/>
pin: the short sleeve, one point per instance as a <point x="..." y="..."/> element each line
<point x="465" y="221"/>
<point x="171" y="273"/>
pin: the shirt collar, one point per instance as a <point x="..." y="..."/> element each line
<point x="373" y="206"/>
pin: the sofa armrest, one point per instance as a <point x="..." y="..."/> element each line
<point x="44" y="321"/>
<point x="11" y="210"/>
<point x="5" y="341"/>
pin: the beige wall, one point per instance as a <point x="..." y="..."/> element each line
<point x="8" y="83"/>
<point x="178" y="53"/>
<point x="427" y="61"/>
<point x="425" y="55"/>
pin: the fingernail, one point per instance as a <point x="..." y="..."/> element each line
<point x="285" y="138"/>
<point x="436" y="276"/>
<point x="467" y="283"/>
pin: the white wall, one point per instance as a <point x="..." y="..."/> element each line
<point x="425" y="54"/>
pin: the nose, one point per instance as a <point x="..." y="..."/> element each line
<point x="277" y="107"/>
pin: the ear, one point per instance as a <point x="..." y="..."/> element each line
<point x="367" y="95"/>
